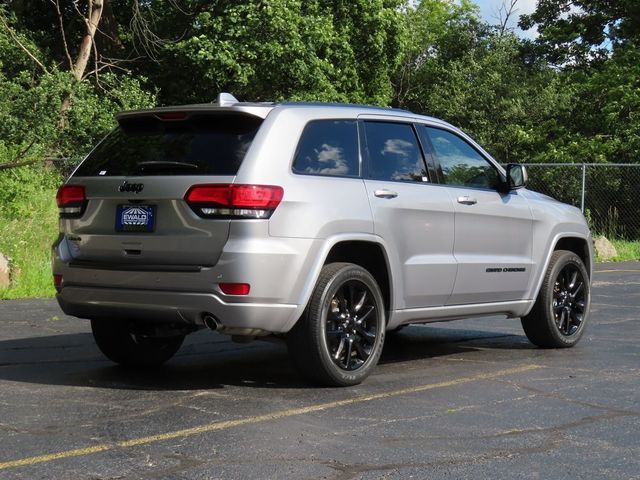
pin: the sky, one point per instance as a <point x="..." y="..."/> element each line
<point x="489" y="11"/>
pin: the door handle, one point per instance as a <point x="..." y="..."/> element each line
<point x="466" y="200"/>
<point x="384" y="193"/>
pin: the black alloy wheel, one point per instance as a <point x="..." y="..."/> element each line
<point x="339" y="338"/>
<point x="561" y="311"/>
<point x="351" y="327"/>
<point x="569" y="300"/>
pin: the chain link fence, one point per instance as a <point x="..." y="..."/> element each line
<point x="607" y="194"/>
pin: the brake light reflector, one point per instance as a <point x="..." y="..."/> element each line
<point x="235" y="288"/>
<point x="57" y="282"/>
<point x="172" y="116"/>
<point x="71" y="200"/>
<point x="234" y="201"/>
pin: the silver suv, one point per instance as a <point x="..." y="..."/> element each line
<point x="326" y="224"/>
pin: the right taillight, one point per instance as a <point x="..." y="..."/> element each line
<point x="71" y="200"/>
<point x="234" y="201"/>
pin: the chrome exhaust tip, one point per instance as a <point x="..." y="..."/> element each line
<point x="211" y="322"/>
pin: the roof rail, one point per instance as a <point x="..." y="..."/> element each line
<point x="226" y="99"/>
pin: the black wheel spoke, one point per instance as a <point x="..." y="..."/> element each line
<point x="360" y="303"/>
<point x="577" y="289"/>
<point x="352" y="300"/>
<point x="561" y="320"/>
<point x="338" y="352"/>
<point x="362" y="352"/>
<point x="369" y="335"/>
<point x="347" y="360"/>
<point x="575" y="321"/>
<point x="363" y="318"/>
<point x="572" y="282"/>
<point x="562" y="281"/>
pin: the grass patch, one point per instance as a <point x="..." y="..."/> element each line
<point x="627" y="250"/>
<point x="27" y="242"/>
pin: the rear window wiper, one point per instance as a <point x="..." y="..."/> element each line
<point x="166" y="165"/>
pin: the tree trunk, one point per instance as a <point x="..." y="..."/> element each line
<point x="80" y="65"/>
<point x="95" y="12"/>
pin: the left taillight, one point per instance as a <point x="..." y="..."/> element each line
<point x="71" y="200"/>
<point x="234" y="201"/>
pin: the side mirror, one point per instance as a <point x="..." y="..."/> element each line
<point x="516" y="176"/>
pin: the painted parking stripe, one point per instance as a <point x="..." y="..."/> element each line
<point x="212" y="427"/>
<point x="618" y="271"/>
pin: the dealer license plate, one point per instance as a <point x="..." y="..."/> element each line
<point x="135" y="218"/>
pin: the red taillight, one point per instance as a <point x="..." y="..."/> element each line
<point x="210" y="194"/>
<point x="239" y="201"/>
<point x="71" y="200"/>
<point x="57" y="282"/>
<point x="235" y="288"/>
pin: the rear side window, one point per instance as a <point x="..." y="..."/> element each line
<point x="197" y="145"/>
<point x="328" y="147"/>
<point x="394" y="153"/>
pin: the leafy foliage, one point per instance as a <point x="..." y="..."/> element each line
<point x="572" y="95"/>
<point x="289" y="49"/>
<point x="583" y="30"/>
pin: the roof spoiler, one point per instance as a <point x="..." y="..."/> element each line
<point x="226" y="100"/>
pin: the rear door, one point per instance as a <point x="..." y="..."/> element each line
<point x="136" y="180"/>
<point x="493" y="230"/>
<point x="412" y="215"/>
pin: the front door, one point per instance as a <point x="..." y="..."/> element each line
<point x="493" y="230"/>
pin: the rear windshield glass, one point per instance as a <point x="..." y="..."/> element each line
<point x="198" y="145"/>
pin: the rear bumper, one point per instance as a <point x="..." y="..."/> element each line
<point x="175" y="307"/>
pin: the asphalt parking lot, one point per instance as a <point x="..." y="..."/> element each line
<point x="466" y="399"/>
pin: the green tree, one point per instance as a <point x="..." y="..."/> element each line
<point x="287" y="49"/>
<point x="474" y="76"/>
<point x="50" y="106"/>
<point x="581" y="31"/>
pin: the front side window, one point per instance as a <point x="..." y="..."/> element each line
<point x="328" y="147"/>
<point x="461" y="164"/>
<point x="394" y="152"/>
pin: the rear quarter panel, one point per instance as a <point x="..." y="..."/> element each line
<point x="313" y="206"/>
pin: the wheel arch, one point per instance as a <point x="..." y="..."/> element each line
<point x="573" y="242"/>
<point x="366" y="250"/>
<point x="577" y="245"/>
<point x="369" y="255"/>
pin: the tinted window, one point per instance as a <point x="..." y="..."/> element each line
<point x="199" y="145"/>
<point x="328" y="147"/>
<point x="394" y="153"/>
<point x="461" y="164"/>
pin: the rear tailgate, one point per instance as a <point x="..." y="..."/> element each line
<point x="135" y="181"/>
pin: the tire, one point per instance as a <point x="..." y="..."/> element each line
<point x="561" y="311"/>
<point x="339" y="338"/>
<point x="117" y="342"/>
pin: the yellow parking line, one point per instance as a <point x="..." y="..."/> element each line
<point x="616" y="271"/>
<point x="211" y="427"/>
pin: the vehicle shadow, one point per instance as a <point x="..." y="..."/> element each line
<point x="209" y="361"/>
